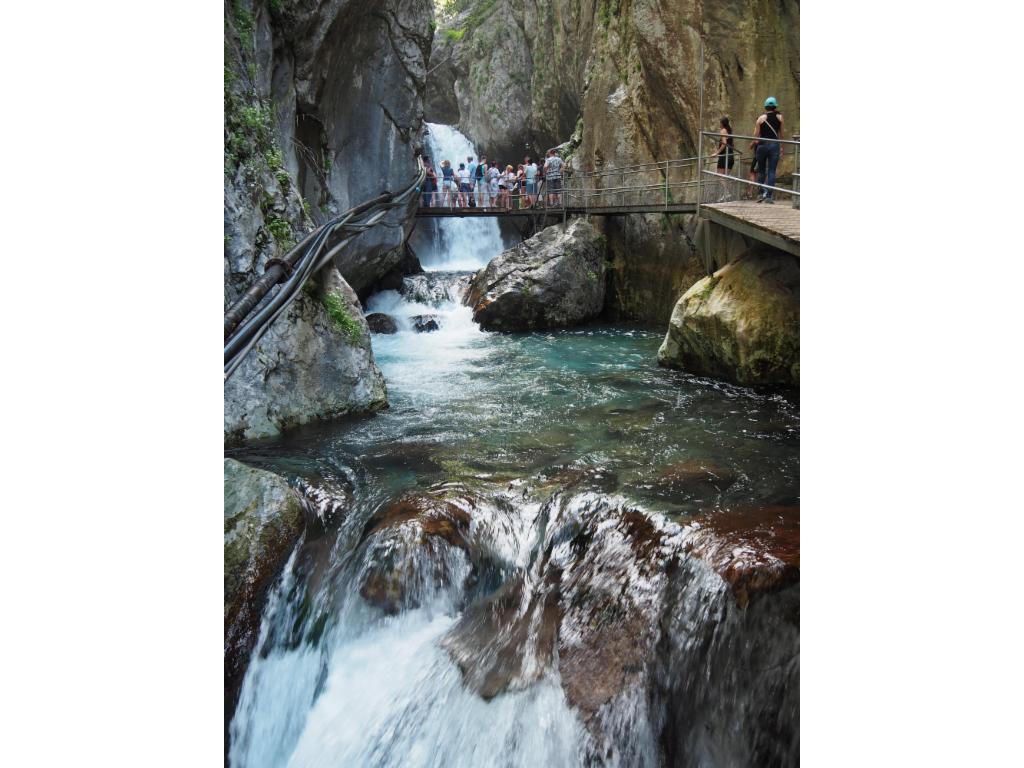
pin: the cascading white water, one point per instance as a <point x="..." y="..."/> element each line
<point x="458" y="244"/>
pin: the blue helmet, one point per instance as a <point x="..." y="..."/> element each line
<point x="771" y="102"/>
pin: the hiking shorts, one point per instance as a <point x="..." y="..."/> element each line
<point x="555" y="184"/>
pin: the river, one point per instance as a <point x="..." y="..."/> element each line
<point x="551" y="477"/>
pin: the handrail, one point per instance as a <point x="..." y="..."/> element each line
<point x="303" y="261"/>
<point x="716" y="135"/>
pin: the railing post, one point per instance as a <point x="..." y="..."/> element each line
<point x="796" y="171"/>
<point x="700" y="165"/>
<point x="666" y="185"/>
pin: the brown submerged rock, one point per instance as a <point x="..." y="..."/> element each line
<point x="693" y="476"/>
<point x="754" y="549"/>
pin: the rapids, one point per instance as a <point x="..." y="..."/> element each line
<point x="534" y="602"/>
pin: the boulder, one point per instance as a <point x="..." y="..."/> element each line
<point x="741" y="324"/>
<point x="554" y="279"/>
<point x="263" y="519"/>
<point x="425" y="323"/>
<point x="314" y="363"/>
<point x="378" y="322"/>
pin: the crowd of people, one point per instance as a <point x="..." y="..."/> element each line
<point x="488" y="184"/>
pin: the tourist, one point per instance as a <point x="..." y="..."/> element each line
<point x="429" y="184"/>
<point x="531" y="181"/>
<point x="520" y="185"/>
<point x="510" y="186"/>
<point x="481" y="183"/>
<point x="503" y="189"/>
<point x="726" y="148"/>
<point x="768" y="130"/>
<point x="447" y="183"/>
<point x="493" y="186"/>
<point x="471" y="166"/>
<point x="553" y="176"/>
<point x="464" y="188"/>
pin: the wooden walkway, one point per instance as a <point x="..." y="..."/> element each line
<point x="777" y="225"/>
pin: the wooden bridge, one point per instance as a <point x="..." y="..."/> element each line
<point x="691" y="185"/>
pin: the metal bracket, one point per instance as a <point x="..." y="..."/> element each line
<point x="286" y="268"/>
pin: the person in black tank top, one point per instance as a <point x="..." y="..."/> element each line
<point x="768" y="128"/>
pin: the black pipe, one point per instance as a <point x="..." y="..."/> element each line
<point x="255" y="293"/>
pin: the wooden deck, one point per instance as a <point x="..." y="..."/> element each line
<point x="777" y="225"/>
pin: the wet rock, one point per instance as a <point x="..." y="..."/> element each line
<point x="506" y="642"/>
<point x="314" y="363"/>
<point x="612" y="586"/>
<point x="378" y="322"/>
<point x="742" y="324"/>
<point x="754" y="549"/>
<point x="554" y="279"/>
<point x="429" y="288"/>
<point x="410" y="548"/>
<point x="263" y="519"/>
<point x="425" y="323"/>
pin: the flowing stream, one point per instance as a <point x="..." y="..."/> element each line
<point x="499" y="571"/>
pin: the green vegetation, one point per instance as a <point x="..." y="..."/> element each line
<point x="281" y="231"/>
<point x="244" y="23"/>
<point x="479" y="10"/>
<point x="608" y="10"/>
<point x="342" y="320"/>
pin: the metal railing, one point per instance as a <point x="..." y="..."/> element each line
<point x="662" y="185"/>
<point x="716" y="187"/>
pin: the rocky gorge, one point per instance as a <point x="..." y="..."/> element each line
<point x="455" y="478"/>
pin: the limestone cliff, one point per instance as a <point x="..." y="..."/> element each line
<point x="523" y="75"/>
<point x="322" y="110"/>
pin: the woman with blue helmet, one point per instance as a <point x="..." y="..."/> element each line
<point x="768" y="129"/>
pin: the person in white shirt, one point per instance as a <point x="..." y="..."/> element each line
<point x="495" y="187"/>
<point x="464" y="188"/>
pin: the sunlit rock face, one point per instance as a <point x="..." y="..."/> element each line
<point x="741" y="324"/>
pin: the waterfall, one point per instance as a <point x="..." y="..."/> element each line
<point x="457" y="244"/>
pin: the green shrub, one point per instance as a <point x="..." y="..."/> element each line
<point x="455" y="35"/>
<point x="342" y="319"/>
<point x="281" y="231"/>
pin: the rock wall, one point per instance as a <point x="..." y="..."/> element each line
<point x="624" y="75"/>
<point x="322" y="110"/>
